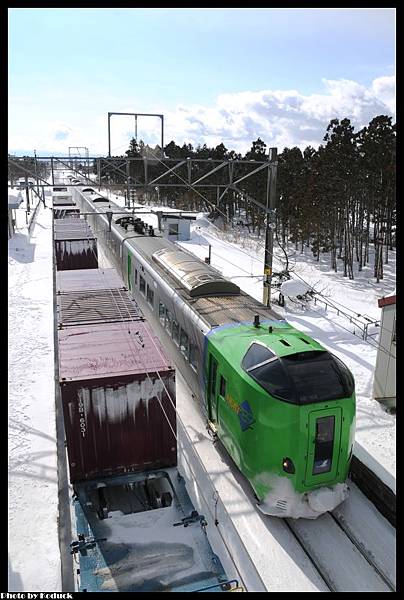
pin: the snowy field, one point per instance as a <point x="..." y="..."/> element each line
<point x="34" y="558"/>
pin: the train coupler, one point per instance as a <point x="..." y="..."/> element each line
<point x="194" y="517"/>
<point x="82" y="544"/>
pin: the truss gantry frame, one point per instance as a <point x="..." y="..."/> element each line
<point x="228" y="181"/>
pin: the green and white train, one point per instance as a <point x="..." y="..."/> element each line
<point x="280" y="403"/>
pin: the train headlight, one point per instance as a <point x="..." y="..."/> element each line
<point x="288" y="466"/>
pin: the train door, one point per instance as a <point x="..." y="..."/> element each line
<point x="211" y="392"/>
<point x="324" y="445"/>
<point x="129" y="272"/>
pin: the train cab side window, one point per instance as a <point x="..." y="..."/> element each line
<point x="142" y="284"/>
<point x="184" y="344"/>
<point x="255" y="355"/>
<point x="176" y="333"/>
<point x="222" y="387"/>
<point x="135" y="276"/>
<point x="150" y="295"/>
<point x="162" y="312"/>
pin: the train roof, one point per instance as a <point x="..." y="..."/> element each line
<point x="217" y="308"/>
<point x="215" y="299"/>
<point x="193" y="274"/>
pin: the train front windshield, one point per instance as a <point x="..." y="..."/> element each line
<point x="305" y="377"/>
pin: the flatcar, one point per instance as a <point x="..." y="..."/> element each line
<point x="280" y="403"/>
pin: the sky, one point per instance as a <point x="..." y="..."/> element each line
<point x="217" y="75"/>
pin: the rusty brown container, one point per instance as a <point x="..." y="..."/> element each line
<point x="77" y="253"/>
<point x="118" y="395"/>
<point x="96" y="306"/>
<point x="75" y="244"/>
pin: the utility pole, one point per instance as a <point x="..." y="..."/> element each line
<point x="27" y="195"/>
<point x="270" y="214"/>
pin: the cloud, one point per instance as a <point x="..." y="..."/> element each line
<point x="384" y="88"/>
<point x="279" y="117"/>
<point x="282" y="117"/>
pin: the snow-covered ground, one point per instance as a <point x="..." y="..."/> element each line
<point x="33" y="546"/>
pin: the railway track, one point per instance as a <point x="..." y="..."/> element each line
<point x="352" y="548"/>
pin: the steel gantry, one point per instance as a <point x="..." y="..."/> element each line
<point x="151" y="173"/>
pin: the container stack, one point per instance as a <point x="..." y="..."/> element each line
<point x="117" y="386"/>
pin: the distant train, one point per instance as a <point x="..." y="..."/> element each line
<point x="280" y="403"/>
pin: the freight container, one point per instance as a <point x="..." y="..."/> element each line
<point x="62" y="200"/>
<point x="96" y="306"/>
<point x="71" y="224"/>
<point x="88" y="279"/>
<point x="75" y="245"/>
<point x="118" y="396"/>
<point x="66" y="212"/>
<point x="77" y="253"/>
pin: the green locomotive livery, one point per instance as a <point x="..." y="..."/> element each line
<point x="283" y="407"/>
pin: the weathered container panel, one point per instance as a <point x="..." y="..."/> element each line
<point x="118" y="425"/>
<point x="63" y="200"/>
<point x="71" y="228"/>
<point x="118" y="395"/>
<point x="96" y="306"/>
<point x="76" y="254"/>
<point x="66" y="212"/>
<point x="88" y="279"/>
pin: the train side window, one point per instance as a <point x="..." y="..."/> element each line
<point x="176" y="333"/>
<point x="162" y="312"/>
<point x="150" y="296"/>
<point x="222" y="387"/>
<point x="135" y="276"/>
<point x="184" y="344"/>
<point x="192" y="356"/>
<point x="142" y="284"/>
<point x="169" y="320"/>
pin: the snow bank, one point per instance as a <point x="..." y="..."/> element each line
<point x="34" y="559"/>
